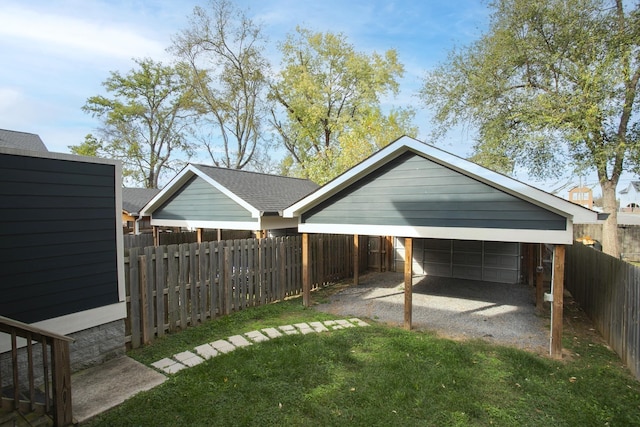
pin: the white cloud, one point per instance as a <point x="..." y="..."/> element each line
<point x="72" y="36"/>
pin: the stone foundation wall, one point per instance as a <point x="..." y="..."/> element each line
<point x="91" y="347"/>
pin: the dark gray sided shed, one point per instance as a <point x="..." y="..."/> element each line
<point x="207" y="197"/>
<point x="61" y="256"/>
<point x="412" y="190"/>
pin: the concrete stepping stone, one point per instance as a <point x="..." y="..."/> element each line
<point x="288" y="329"/>
<point x="345" y="323"/>
<point x="272" y="332"/>
<point x="333" y="324"/>
<point x="168" y="365"/>
<point x="223" y="346"/>
<point x="318" y="327"/>
<point x="257" y="336"/>
<point x="358" y="322"/>
<point x="206" y="351"/>
<point x="304" y="328"/>
<point x="238" y="341"/>
<point x="188" y="358"/>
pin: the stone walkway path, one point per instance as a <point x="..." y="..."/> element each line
<point x="186" y="359"/>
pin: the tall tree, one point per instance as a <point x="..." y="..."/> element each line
<point x="224" y="50"/>
<point x="143" y="122"/>
<point x="551" y="86"/>
<point x="327" y="92"/>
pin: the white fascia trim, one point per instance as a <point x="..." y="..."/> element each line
<point x="562" y="207"/>
<point x="174" y="184"/>
<point x="75" y="322"/>
<point x="255" y="213"/>
<point x="179" y="180"/>
<point x="119" y="236"/>
<point x="558" y="237"/>
<point x="227" y="225"/>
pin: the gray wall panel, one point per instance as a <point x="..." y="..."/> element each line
<point x="414" y="191"/>
<point x="58" y="233"/>
<point x="198" y="200"/>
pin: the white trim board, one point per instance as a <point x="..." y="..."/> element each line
<point x="501" y="182"/>
<point x="559" y="237"/>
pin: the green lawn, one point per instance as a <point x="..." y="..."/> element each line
<point x="377" y="376"/>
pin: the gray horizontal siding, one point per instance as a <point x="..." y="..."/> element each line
<point x="57" y="237"/>
<point x="198" y="200"/>
<point x="414" y="191"/>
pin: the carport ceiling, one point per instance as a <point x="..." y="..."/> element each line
<point x="412" y="189"/>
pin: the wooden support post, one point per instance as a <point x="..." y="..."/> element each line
<point x="389" y="255"/>
<point x="199" y="232"/>
<point x="557" y="287"/>
<point x="530" y="262"/>
<point x="219" y="234"/>
<point x="408" y="281"/>
<point x="156" y="236"/>
<point x="381" y="242"/>
<point x="539" y="278"/>
<point x="356" y="259"/>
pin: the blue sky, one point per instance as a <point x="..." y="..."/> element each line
<point x="56" y="53"/>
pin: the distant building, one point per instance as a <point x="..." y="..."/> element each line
<point x="630" y="197"/>
<point x="581" y="196"/>
<point x="134" y="199"/>
<point x="21" y="140"/>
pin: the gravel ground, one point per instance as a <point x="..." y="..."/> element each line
<point x="453" y="308"/>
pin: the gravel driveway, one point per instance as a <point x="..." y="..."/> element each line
<point x="453" y="308"/>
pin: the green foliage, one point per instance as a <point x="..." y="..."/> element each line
<point x="376" y="375"/>
<point x="551" y="86"/>
<point x="329" y="95"/>
<point x="224" y="52"/>
<point x="144" y="120"/>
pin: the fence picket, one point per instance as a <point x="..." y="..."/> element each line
<point x="172" y="287"/>
<point x="183" y="264"/>
<point x="607" y="290"/>
<point x="173" y="298"/>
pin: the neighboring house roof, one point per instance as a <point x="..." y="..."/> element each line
<point x="211" y="197"/>
<point x="266" y="193"/>
<point x="21" y="140"/>
<point x="634" y="184"/>
<point x="134" y="199"/>
<point x="360" y="179"/>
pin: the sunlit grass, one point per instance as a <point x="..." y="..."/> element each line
<point x="377" y="376"/>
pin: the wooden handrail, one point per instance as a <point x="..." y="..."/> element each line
<point x="57" y="361"/>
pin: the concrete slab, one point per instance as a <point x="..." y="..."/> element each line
<point x="318" y="327"/>
<point x="272" y="332"/>
<point x="238" y="341"/>
<point x="257" y="336"/>
<point x="304" y="328"/>
<point x="103" y="387"/>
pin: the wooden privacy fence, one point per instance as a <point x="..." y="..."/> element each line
<point x="608" y="290"/>
<point x="172" y="287"/>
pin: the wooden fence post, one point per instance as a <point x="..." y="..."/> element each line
<point x="408" y="281"/>
<point x="226" y="281"/>
<point x="144" y="299"/>
<point x="356" y="259"/>
<point x="306" y="279"/>
<point x="558" y="293"/>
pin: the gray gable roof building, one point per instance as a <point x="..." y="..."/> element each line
<point x="202" y="196"/>
<point x="21" y="140"/>
<point x="134" y="199"/>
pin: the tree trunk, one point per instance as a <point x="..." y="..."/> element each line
<point x="610" y="226"/>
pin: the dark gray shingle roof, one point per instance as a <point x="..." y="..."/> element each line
<point x="266" y="193"/>
<point x="21" y="140"/>
<point x="133" y="199"/>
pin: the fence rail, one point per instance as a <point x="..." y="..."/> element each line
<point x="172" y="287"/>
<point x="608" y="290"/>
<point x="35" y="376"/>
